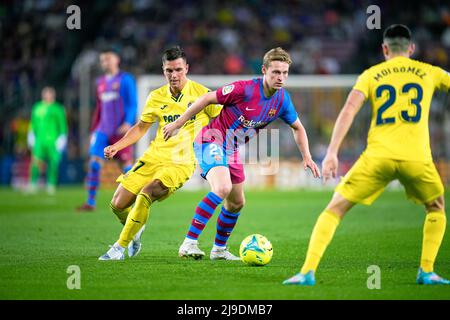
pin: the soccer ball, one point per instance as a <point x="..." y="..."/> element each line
<point x="256" y="250"/>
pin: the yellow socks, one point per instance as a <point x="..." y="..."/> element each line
<point x="121" y="214"/>
<point x="136" y="219"/>
<point x="433" y="232"/>
<point x="320" y="238"/>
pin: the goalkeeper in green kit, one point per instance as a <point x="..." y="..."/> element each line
<point x="47" y="137"/>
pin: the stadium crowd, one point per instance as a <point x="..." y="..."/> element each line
<point x="323" y="37"/>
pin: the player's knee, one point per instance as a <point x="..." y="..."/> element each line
<point x="222" y="190"/>
<point x="155" y="189"/>
<point x="339" y="205"/>
<point x="437" y="204"/>
<point x="95" y="164"/>
<point x="235" y="206"/>
<point x="117" y="203"/>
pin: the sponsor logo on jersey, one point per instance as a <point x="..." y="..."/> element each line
<point x="108" y="96"/>
<point x="251" y="123"/>
<point x="171" y="118"/>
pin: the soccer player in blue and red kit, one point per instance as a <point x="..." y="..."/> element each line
<point x="248" y="106"/>
<point x="115" y="113"/>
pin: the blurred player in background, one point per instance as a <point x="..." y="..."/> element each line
<point x="248" y="107"/>
<point x="114" y="115"/>
<point x="400" y="91"/>
<point x="47" y="137"/>
<point x="165" y="165"/>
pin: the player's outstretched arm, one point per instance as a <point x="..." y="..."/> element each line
<point x="354" y="102"/>
<point x="301" y="139"/>
<point x="131" y="137"/>
<point x="199" y="104"/>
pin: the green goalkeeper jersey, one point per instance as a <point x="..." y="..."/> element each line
<point x="48" y="122"/>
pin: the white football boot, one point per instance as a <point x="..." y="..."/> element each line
<point x="222" y="253"/>
<point x="135" y="245"/>
<point x="189" y="248"/>
<point x="115" y="252"/>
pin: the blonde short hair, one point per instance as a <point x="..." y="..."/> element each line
<point x="276" y="54"/>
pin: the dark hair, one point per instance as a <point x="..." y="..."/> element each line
<point x="110" y="50"/>
<point x="173" y="53"/>
<point x="397" y="37"/>
<point x="397" y="31"/>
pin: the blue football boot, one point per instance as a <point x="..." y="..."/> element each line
<point x="430" y="278"/>
<point x="302" y="279"/>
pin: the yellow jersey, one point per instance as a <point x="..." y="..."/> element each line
<point x="400" y="92"/>
<point x="162" y="107"/>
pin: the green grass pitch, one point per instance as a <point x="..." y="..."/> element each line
<point x="41" y="236"/>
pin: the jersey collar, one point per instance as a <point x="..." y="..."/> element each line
<point x="261" y="90"/>
<point x="183" y="92"/>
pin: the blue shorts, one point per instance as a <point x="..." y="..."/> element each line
<point x="210" y="155"/>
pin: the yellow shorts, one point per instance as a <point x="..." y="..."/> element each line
<point x="173" y="176"/>
<point x="368" y="177"/>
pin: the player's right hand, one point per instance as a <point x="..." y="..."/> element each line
<point x="329" y="166"/>
<point x="109" y="152"/>
<point x="170" y="130"/>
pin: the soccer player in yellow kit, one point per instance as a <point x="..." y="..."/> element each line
<point x="165" y="165"/>
<point x="398" y="147"/>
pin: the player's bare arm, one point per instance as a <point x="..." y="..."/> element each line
<point x="200" y="104"/>
<point x="135" y="133"/>
<point x="301" y="139"/>
<point x="124" y="128"/>
<point x="354" y="102"/>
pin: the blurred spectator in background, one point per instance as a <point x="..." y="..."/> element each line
<point x="19" y="130"/>
<point x="47" y="137"/>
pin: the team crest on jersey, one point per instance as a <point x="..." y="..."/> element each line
<point x="227" y="89"/>
<point x="272" y="112"/>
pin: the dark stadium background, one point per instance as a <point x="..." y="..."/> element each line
<point x="219" y="37"/>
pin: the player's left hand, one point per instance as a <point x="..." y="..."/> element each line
<point x="31" y="139"/>
<point x="309" y="163"/>
<point x="61" y="143"/>
<point x="123" y="129"/>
